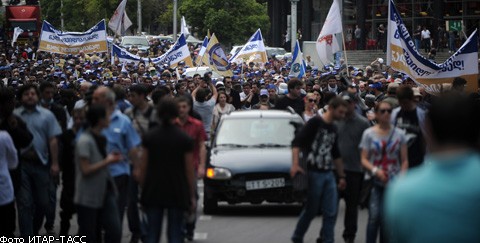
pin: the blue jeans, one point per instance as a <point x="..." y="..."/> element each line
<point x="33" y="197"/>
<point x="417" y="43"/>
<point x="375" y="214"/>
<point x="92" y="219"/>
<point x="154" y="218"/>
<point x="322" y="191"/>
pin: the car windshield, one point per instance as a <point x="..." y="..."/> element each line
<point x="255" y="132"/>
<point x="135" y="41"/>
<point x="275" y="51"/>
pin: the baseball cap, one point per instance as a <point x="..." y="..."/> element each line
<point x="263" y="92"/>
<point x="377" y="85"/>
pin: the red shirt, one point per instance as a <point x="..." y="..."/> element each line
<point x="194" y="128"/>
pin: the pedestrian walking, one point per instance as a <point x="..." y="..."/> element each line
<point x="8" y="161"/>
<point x="319" y="141"/>
<point x="384" y="155"/>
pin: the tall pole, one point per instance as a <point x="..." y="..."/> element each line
<point x="174" y="20"/>
<point x="61" y="15"/>
<point x="139" y="16"/>
<point x="294" y="23"/>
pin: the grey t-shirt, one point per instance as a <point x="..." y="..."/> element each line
<point x="389" y="161"/>
<point x="205" y="109"/>
<point x="90" y="190"/>
<point x="350" y="133"/>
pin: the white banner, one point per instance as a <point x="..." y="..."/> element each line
<point x="253" y="51"/>
<point x="16" y="32"/>
<point x="90" y="41"/>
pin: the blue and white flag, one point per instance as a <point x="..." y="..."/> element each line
<point x="198" y="61"/>
<point x="298" y="67"/>
<point x="253" y="51"/>
<point x="402" y="56"/>
<point x="178" y="52"/>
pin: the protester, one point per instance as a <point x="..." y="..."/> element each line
<point x="320" y="141"/>
<point x="384" y="155"/>
<point x="426" y="41"/>
<point x="8" y="161"/>
<point x="350" y="132"/>
<point x="95" y="190"/>
<point x="203" y="103"/>
<point x="39" y="161"/>
<point x="293" y="99"/>
<point x="166" y="173"/>
<point x="221" y="108"/>
<point x="437" y="202"/>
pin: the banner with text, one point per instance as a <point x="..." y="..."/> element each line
<point x="56" y="41"/>
<point x="402" y="56"/>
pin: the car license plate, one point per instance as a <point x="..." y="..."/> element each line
<point x="264" y="184"/>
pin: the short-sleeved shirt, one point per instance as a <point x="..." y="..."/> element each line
<point x="388" y="161"/>
<point x="43" y="125"/>
<point x="8" y="160"/>
<point x="318" y="141"/>
<point x="194" y="129"/>
<point x="90" y="190"/>
<point x="121" y="137"/>
<point x="350" y="133"/>
<point x="297" y="104"/>
<point x="165" y="179"/>
<point x="205" y="109"/>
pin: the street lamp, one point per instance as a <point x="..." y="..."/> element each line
<point x="294" y="23"/>
<point x="174" y="20"/>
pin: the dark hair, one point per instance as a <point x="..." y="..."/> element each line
<point x="377" y="106"/>
<point x="405" y="93"/>
<point x="336" y="102"/>
<point x="25" y="88"/>
<point x="45" y="84"/>
<point x="224" y="93"/>
<point x="201" y="95"/>
<point x="139" y="89"/>
<point x="294" y="82"/>
<point x="167" y="110"/>
<point x="95" y="113"/>
<point x="454" y="119"/>
<point x="458" y="82"/>
<point x="6" y="95"/>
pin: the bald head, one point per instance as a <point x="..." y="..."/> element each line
<point x="104" y="96"/>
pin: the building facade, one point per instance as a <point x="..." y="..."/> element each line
<point x="463" y="16"/>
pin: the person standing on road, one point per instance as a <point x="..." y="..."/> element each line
<point x="384" y="154"/>
<point x="293" y="98"/>
<point x="8" y="161"/>
<point x="417" y="37"/>
<point x="194" y="128"/>
<point x="426" y="38"/>
<point x="95" y="189"/>
<point x="350" y="132"/>
<point x="319" y="138"/>
<point x="166" y="174"/>
<point x="39" y="161"/>
<point x="358" y="37"/>
<point x="438" y="201"/>
<point x="204" y="104"/>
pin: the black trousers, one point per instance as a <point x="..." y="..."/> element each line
<point x="351" y="195"/>
<point x="7" y="224"/>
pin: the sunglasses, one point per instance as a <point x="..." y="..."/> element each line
<point x="382" y="111"/>
<point x="311" y="100"/>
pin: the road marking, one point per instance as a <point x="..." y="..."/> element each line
<point x="205" y="218"/>
<point x="200" y="236"/>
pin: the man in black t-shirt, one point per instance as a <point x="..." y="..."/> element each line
<point x="411" y="119"/>
<point x="318" y="139"/>
<point x="293" y="98"/>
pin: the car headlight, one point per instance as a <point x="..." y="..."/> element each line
<point x="217" y="173"/>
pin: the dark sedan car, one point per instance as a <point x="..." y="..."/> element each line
<point x="250" y="159"/>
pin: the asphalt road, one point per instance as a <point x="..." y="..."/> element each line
<point x="250" y="223"/>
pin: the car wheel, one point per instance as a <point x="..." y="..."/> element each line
<point x="210" y="203"/>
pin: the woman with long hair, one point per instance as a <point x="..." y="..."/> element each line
<point x="222" y="107"/>
<point x="384" y="154"/>
<point x="95" y="192"/>
<point x="310" y="107"/>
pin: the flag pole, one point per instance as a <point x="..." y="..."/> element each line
<point x="345" y="53"/>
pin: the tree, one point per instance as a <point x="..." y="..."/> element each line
<point x="232" y="21"/>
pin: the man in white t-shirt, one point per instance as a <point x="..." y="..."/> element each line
<point x="426" y="39"/>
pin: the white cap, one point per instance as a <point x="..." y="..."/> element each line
<point x="380" y="60"/>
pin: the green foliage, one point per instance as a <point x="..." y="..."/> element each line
<point x="232" y="21"/>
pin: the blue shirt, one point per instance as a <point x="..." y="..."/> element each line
<point x="436" y="202"/>
<point x="121" y="137"/>
<point x="43" y="125"/>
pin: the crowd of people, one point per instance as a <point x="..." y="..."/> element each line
<point x="131" y="137"/>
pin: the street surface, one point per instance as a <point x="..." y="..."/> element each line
<point x="248" y="223"/>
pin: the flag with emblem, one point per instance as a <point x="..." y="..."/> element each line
<point x="298" y="63"/>
<point x="328" y="43"/>
<point x="215" y="57"/>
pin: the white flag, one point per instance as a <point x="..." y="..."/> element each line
<point x="298" y="67"/>
<point x="253" y="51"/>
<point x="16" y="32"/>
<point x="327" y="43"/>
<point x="120" y="22"/>
<point x="184" y="28"/>
<point x="198" y="61"/>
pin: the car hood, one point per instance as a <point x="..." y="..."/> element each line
<point x="252" y="160"/>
